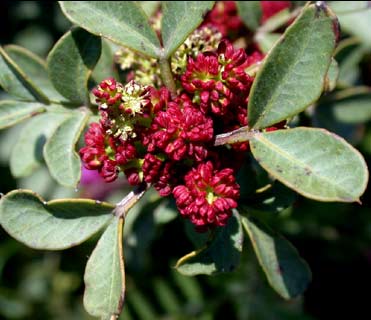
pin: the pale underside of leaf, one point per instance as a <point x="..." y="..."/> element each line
<point x="12" y="112"/>
<point x="59" y="151"/>
<point x="27" y="153"/>
<point x="314" y="162"/>
<point x="16" y="82"/>
<point x="36" y="69"/>
<point x="53" y="225"/>
<point x="103" y="282"/>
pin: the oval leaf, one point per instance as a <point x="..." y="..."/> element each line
<point x="221" y="255"/>
<point x="103" y="280"/>
<point x="250" y="13"/>
<point x="53" y="225"/>
<point x="12" y="112"/>
<point x="293" y="74"/>
<point x="35" y="68"/>
<point x="314" y="162"/>
<point x="286" y="271"/>
<point x="17" y="82"/>
<point x="27" y="154"/>
<point x="59" y="151"/>
<point x="123" y="22"/>
<point x="180" y="18"/>
<point x="70" y="64"/>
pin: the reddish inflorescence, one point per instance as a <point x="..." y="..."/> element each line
<point x="167" y="140"/>
<point x="208" y="196"/>
<point x="225" y="18"/>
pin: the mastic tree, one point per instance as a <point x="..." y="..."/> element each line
<point x="190" y="99"/>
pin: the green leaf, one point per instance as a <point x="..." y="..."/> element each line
<point x="286" y="271"/>
<point x="59" y="151"/>
<point x="149" y="7"/>
<point x="332" y="76"/>
<point x="27" y="154"/>
<point x="70" y="64"/>
<point x="103" y="281"/>
<point x="12" y="112"/>
<point x="250" y="12"/>
<point x="293" y="74"/>
<point x="221" y="255"/>
<point x="17" y="82"/>
<point x="314" y="162"/>
<point x="123" y="22"/>
<point x="53" y="225"/>
<point x="105" y="66"/>
<point x="35" y="68"/>
<point x="180" y="18"/>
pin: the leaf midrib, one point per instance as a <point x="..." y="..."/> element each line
<point x="8" y="115"/>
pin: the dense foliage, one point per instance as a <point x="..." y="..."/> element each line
<point x="155" y="129"/>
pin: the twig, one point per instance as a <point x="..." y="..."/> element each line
<point x="167" y="76"/>
<point x="123" y="207"/>
<point x="122" y="264"/>
<point x="239" y="135"/>
<point x="121" y="211"/>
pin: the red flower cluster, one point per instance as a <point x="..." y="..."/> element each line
<point x="225" y="18"/>
<point x="207" y="196"/>
<point x="217" y="81"/>
<point x="99" y="152"/>
<point x="168" y="141"/>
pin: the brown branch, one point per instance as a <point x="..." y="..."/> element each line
<point x="239" y="135"/>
